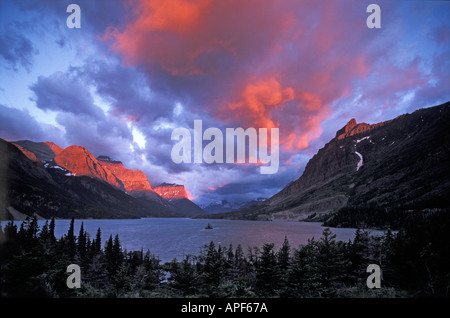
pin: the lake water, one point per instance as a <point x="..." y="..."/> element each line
<point x="170" y="238"/>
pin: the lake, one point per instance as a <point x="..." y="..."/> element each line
<point x="170" y="238"/>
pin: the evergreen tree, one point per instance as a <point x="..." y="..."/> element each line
<point x="70" y="240"/>
<point x="52" y="230"/>
<point x="284" y="256"/>
<point x="82" y="241"/>
<point x="184" y="277"/>
<point x="153" y="271"/>
<point x="213" y="269"/>
<point x="267" y="272"/>
<point x="305" y="275"/>
<point x="44" y="235"/>
<point x="360" y="254"/>
<point x="97" y="243"/>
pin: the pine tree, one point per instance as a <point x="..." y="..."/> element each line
<point x="305" y="276"/>
<point x="113" y="255"/>
<point x="213" y="270"/>
<point x="109" y="255"/>
<point x="332" y="261"/>
<point x="44" y="234"/>
<point x="117" y="252"/>
<point x="52" y="230"/>
<point x="97" y="244"/>
<point x="284" y="256"/>
<point x="284" y="262"/>
<point x="360" y="254"/>
<point x="70" y="240"/>
<point x="267" y="272"/>
<point x="82" y="240"/>
<point x="184" y="277"/>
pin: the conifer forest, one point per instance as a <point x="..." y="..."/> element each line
<point x="414" y="261"/>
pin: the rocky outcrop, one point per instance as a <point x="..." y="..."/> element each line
<point x="30" y="155"/>
<point x="400" y="163"/>
<point x="28" y="188"/>
<point x="171" y="191"/>
<point x="353" y="128"/>
<point x="178" y="196"/>
<point x="132" y="180"/>
<point x="81" y="162"/>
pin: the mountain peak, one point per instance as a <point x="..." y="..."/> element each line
<point x="79" y="161"/>
<point x="405" y="161"/>
<point x="171" y="191"/>
<point x="353" y="128"/>
<point x="132" y="180"/>
<point x="350" y="125"/>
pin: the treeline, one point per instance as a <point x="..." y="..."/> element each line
<point x="374" y="217"/>
<point x="414" y="263"/>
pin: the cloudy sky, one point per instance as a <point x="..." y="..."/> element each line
<point x="138" y="69"/>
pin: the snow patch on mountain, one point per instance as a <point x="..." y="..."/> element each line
<point x="360" y="163"/>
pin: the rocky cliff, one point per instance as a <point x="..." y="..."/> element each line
<point x="80" y="162"/>
<point x="132" y="180"/>
<point x="402" y="163"/>
<point x="177" y="196"/>
<point x="30" y="188"/>
<point x="76" y="171"/>
<point x="171" y="191"/>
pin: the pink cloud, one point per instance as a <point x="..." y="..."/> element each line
<point x="256" y="64"/>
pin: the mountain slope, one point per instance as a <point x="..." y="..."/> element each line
<point x="27" y="187"/>
<point x="131" y="180"/>
<point x="402" y="163"/>
<point x="177" y="196"/>
<point x="81" y="162"/>
<point x="44" y="151"/>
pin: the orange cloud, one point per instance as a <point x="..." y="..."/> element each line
<point x="257" y="101"/>
<point x="178" y="16"/>
<point x="262" y="104"/>
<point x="271" y="63"/>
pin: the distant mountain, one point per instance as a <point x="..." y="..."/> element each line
<point x="78" y="161"/>
<point x="400" y="164"/>
<point x="30" y="187"/>
<point x="177" y="195"/>
<point x="44" y="179"/>
<point x="229" y="206"/>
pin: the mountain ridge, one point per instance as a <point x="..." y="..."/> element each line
<point x="177" y="195"/>
<point x="401" y="163"/>
<point x="73" y="180"/>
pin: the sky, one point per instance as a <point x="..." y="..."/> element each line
<point x="136" y="70"/>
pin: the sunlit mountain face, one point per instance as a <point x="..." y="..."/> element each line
<point x="131" y="73"/>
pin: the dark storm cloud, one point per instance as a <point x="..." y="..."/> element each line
<point x="101" y="136"/>
<point x="61" y="92"/>
<point x="16" y="50"/>
<point x="84" y="122"/>
<point x="19" y="124"/>
<point x="306" y="67"/>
